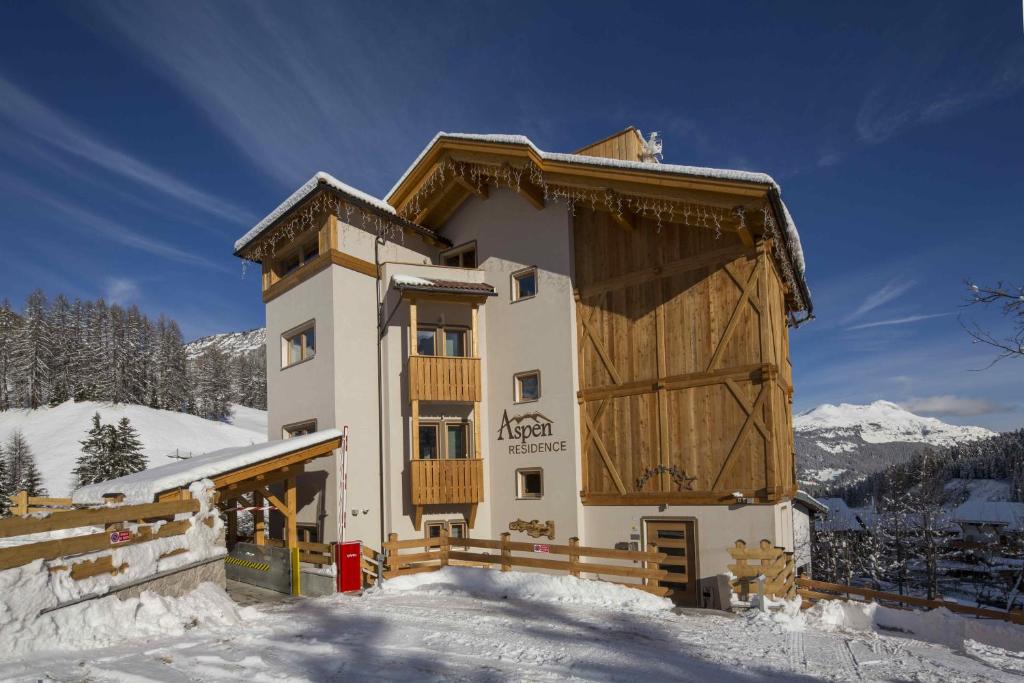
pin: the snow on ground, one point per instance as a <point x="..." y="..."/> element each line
<point x="467" y="624"/>
<point x="883" y="422"/>
<point x="822" y="475"/>
<point x="54" y="434"/>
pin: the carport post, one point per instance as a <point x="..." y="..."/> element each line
<point x="291" y="501"/>
<point x="259" y="525"/>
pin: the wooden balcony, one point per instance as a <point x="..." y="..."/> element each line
<point x="447" y="482"/>
<point x="442" y="378"/>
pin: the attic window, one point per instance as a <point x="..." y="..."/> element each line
<point x="297" y="257"/>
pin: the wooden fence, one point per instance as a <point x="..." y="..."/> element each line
<point x="154" y="520"/>
<point x="319" y="554"/>
<point x="434" y="553"/>
<point x="23" y="504"/>
<point x="775" y="564"/>
<point x="812" y="591"/>
<point x="371" y="564"/>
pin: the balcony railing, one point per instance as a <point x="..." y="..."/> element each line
<point x="444" y="378"/>
<point x="447" y="482"/>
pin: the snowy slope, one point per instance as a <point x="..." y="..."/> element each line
<point x="852" y="440"/>
<point x="54" y="434"/>
<point x="229" y="343"/>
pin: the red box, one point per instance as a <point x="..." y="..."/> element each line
<point x="346" y="561"/>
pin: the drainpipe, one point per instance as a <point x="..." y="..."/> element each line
<point x="380" y="376"/>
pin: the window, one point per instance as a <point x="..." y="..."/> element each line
<point x="425" y="337"/>
<point x="462" y="256"/>
<point x="298" y="345"/>
<point x="301" y="255"/>
<point x="527" y="386"/>
<point x="530" y="484"/>
<point x="451" y="341"/>
<point x="428" y="442"/>
<point x="457" y="446"/>
<point x="457" y="529"/>
<point x="299" y="429"/>
<point x="455" y="343"/>
<point x="524" y="284"/>
<point x="445" y="440"/>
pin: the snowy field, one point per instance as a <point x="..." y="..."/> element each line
<point x="54" y="433"/>
<point x="475" y="625"/>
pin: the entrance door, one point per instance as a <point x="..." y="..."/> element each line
<point x="679" y="542"/>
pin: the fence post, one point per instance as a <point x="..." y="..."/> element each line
<point x="574" y="557"/>
<point x="390" y="561"/>
<point x="506" y="552"/>
<point x="20" y="500"/>
<point x="444" y="547"/>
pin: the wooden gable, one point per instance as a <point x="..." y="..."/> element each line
<point x="626" y="145"/>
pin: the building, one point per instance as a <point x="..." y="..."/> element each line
<point x="590" y="345"/>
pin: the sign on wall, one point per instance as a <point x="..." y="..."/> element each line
<point x="529" y="433"/>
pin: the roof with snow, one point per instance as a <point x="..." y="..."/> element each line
<point x="144" y="486"/>
<point x="358" y="197"/>
<point x="423" y="284"/>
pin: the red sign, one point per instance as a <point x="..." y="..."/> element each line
<point x="346" y="562"/>
<point x="541" y="548"/>
<point x="122" y="536"/>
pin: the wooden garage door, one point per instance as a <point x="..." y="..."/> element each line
<point x="679" y="542"/>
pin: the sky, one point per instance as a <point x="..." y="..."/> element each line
<point x="139" y="139"/>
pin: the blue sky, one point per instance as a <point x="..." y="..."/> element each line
<point x="138" y="140"/>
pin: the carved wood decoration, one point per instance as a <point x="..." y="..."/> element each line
<point x="683" y="356"/>
<point x="534" y="528"/>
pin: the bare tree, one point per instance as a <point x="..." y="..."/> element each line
<point x="1010" y="300"/>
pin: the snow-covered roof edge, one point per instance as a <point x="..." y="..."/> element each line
<point x="789" y="227"/>
<point x="142" y="487"/>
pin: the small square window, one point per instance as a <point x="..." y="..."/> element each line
<point x="425" y="341"/>
<point x="524" y="284"/>
<point x="298" y="345"/>
<point x="527" y="386"/>
<point x="299" y="429"/>
<point x="458" y="530"/>
<point x="530" y="484"/>
<point x="428" y="442"/>
<point x="433" y="529"/>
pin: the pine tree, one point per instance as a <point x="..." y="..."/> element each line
<point x="8" y="333"/>
<point x="95" y="448"/>
<point x="64" y="336"/>
<point x="22" y="474"/>
<point x="126" y="454"/>
<point x="32" y="353"/>
<point x="213" y="386"/>
<point x="5" y="492"/>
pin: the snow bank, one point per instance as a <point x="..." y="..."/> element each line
<point x="109" y="621"/>
<point x="27" y="590"/>
<point x="143" y="486"/>
<point x="495" y="585"/>
<point x="937" y="626"/>
<point x="54" y="434"/>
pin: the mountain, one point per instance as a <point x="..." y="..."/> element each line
<point x="232" y="344"/>
<point x="53" y="434"/>
<point x="845" y="442"/>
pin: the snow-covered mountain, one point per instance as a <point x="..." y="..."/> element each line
<point x="230" y="343"/>
<point x="54" y="434"/>
<point x="849" y="440"/>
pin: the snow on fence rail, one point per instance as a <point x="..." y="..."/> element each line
<point x="812" y="590"/>
<point x="435" y="553"/>
<point x="24" y="504"/>
<point x="99" y="529"/>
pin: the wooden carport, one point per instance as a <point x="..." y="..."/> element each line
<point x="256" y="478"/>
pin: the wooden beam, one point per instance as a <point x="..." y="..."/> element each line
<point x="232" y="530"/>
<point x="531" y="193"/>
<point x="273" y="464"/>
<point x="467" y="184"/>
<point x="259" y="520"/>
<point x="280" y="505"/>
<point x="292" y="501"/>
<point x="413" y="349"/>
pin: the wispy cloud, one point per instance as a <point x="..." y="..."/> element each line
<point x="86" y="221"/>
<point x="883" y="295"/>
<point x="898" y="321"/>
<point x="948" y="404"/>
<point x="30" y="116"/>
<point x="296" y="92"/>
<point x="120" y="290"/>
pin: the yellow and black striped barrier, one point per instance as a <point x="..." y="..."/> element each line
<point x="248" y="564"/>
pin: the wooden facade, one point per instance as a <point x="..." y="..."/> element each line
<point x="685" y="380"/>
<point x="444" y="378"/>
<point x="447" y="482"/>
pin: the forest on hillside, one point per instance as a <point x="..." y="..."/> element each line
<point x="59" y="350"/>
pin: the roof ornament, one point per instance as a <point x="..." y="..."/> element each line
<point x="652" y="148"/>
